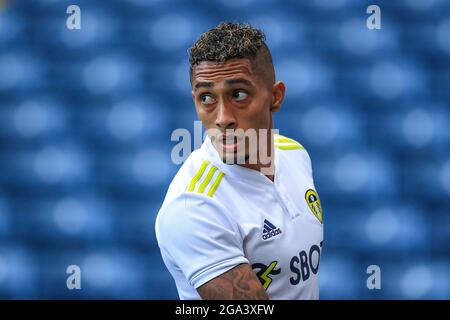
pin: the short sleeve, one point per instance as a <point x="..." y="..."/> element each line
<point x="197" y="236"/>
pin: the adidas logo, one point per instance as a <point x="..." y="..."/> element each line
<point x="270" y="230"/>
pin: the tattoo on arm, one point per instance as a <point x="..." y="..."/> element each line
<point x="239" y="283"/>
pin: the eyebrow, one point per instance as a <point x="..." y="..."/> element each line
<point x="227" y="82"/>
<point x="239" y="81"/>
<point x="203" y="85"/>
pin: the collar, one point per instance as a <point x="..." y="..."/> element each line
<point x="235" y="170"/>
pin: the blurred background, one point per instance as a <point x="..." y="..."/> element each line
<point x="86" y="117"/>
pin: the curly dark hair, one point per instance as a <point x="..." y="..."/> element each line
<point x="227" y="41"/>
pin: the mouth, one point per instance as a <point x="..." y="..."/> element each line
<point x="229" y="143"/>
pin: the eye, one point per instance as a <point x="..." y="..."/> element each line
<point x="207" y="99"/>
<point x="240" y="95"/>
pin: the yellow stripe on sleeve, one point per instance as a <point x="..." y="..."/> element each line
<point x="215" y="184"/>
<point x="289" y="146"/>
<point x="197" y="176"/>
<point x="284" y="139"/>
<point x="285" y="143"/>
<point x="207" y="179"/>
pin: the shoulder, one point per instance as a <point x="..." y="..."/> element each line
<point x="285" y="143"/>
<point x="197" y="175"/>
<point x="293" y="150"/>
<point x="191" y="199"/>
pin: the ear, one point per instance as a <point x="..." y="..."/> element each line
<point x="278" y="92"/>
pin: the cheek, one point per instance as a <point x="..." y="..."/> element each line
<point x="260" y="109"/>
<point x="207" y="118"/>
<point x="260" y="117"/>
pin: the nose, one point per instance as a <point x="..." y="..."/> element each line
<point x="225" y="117"/>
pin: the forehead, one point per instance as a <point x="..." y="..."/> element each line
<point x="208" y="71"/>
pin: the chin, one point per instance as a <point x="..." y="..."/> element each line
<point x="234" y="158"/>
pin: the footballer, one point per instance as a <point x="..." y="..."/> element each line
<point x="242" y="218"/>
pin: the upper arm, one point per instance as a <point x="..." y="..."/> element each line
<point x="197" y="237"/>
<point x="239" y="283"/>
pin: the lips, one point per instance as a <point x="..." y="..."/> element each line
<point x="229" y="143"/>
<point x="229" y="140"/>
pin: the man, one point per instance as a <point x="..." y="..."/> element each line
<point x="238" y="223"/>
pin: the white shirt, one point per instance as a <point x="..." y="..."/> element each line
<point x="216" y="216"/>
